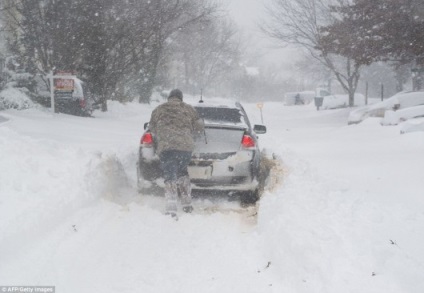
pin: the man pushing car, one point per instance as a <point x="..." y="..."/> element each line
<point x="174" y="126"/>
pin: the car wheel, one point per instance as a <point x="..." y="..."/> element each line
<point x="146" y="186"/>
<point x="249" y="197"/>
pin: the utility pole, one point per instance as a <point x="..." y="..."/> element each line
<point x="366" y="93"/>
<point x="382" y="91"/>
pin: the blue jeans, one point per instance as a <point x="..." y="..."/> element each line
<point x="174" y="164"/>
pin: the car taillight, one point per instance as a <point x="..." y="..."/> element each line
<point x="247" y="142"/>
<point x="82" y="103"/>
<point x="147" y="139"/>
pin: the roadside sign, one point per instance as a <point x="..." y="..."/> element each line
<point x="63" y="85"/>
<point x="60" y="84"/>
<point x="260" y="106"/>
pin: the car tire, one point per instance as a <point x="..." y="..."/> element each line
<point x="249" y="197"/>
<point x="146" y="186"/>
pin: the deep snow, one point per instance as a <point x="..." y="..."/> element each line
<point x="344" y="212"/>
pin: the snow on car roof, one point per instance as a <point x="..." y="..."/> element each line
<point x="403" y="99"/>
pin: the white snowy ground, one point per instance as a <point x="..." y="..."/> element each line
<point x="344" y="214"/>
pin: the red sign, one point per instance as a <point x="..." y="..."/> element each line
<point x="64" y="85"/>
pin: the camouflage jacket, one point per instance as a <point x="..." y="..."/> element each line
<point x="174" y="125"/>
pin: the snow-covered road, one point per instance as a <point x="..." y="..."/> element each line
<point x="338" y="216"/>
<point x="111" y="248"/>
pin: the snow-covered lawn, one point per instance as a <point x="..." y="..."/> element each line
<point x="343" y="213"/>
<point x="338" y="101"/>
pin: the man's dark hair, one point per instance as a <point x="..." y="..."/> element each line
<point x="176" y="93"/>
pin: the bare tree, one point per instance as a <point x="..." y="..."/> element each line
<point x="153" y="25"/>
<point x="113" y="45"/>
<point x="206" y="54"/>
<point x="299" y="22"/>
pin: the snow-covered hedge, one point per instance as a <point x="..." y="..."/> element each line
<point x="15" y="98"/>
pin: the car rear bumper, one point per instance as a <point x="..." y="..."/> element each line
<point x="226" y="184"/>
<point x="235" y="173"/>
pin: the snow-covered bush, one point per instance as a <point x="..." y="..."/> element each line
<point x="15" y="98"/>
<point x="15" y="75"/>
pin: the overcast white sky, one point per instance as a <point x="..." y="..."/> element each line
<point x="248" y="14"/>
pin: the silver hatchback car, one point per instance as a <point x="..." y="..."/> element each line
<point x="226" y="158"/>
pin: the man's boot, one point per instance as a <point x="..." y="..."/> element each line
<point x="171" y="196"/>
<point x="185" y="191"/>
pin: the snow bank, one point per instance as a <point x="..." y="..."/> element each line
<point x="399" y="101"/>
<point x="43" y="180"/>
<point x="412" y="125"/>
<point x="395" y="117"/>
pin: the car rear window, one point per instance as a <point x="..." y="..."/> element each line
<point x="228" y="115"/>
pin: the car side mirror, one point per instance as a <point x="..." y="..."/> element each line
<point x="259" y="129"/>
<point x="146" y="125"/>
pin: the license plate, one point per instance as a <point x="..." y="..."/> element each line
<point x="200" y="172"/>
